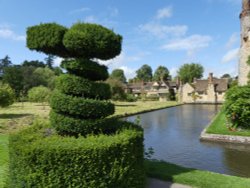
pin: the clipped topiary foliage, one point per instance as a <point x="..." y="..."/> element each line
<point x="80" y="108"/>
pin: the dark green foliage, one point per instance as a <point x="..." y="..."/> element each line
<point x="81" y="107"/>
<point x="40" y="158"/>
<point x="161" y="74"/>
<point x="78" y="86"/>
<point x="118" y="74"/>
<point x="144" y="73"/>
<point x="92" y="41"/>
<point x="86" y="68"/>
<point x="237" y="106"/>
<point x="5" y="62"/>
<point x="188" y="72"/>
<point x="7" y="95"/>
<point x="33" y="64"/>
<point x="47" y="38"/>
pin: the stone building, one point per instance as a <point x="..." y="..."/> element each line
<point x="244" y="68"/>
<point x="211" y="90"/>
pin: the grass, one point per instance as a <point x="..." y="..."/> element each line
<point x="218" y="126"/>
<point x="3" y="158"/>
<point x="196" y="178"/>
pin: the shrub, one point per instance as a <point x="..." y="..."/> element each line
<point x="131" y="98"/>
<point x="41" y="158"/>
<point x="7" y="95"/>
<point x="39" y="94"/>
<point x="237" y="106"/>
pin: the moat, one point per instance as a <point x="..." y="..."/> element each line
<point x="174" y="133"/>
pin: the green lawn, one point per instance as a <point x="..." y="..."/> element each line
<point x="196" y="178"/>
<point x="3" y="158"/>
<point x="218" y="126"/>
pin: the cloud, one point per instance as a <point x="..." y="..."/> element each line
<point x="57" y="61"/>
<point x="234" y="38"/>
<point x="230" y="56"/>
<point x="80" y="10"/>
<point x="166" y="12"/>
<point x="162" y="31"/>
<point x="7" y="33"/>
<point x="190" y="44"/>
<point x="173" y="71"/>
<point x="90" y="19"/>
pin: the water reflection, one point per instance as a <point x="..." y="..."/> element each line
<point x="174" y="135"/>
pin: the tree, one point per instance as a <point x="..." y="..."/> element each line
<point x="14" y="77"/>
<point x="188" y="72"/>
<point x="5" y="62"/>
<point x="7" y="95"/>
<point x="49" y="60"/>
<point x="161" y="74"/>
<point x="118" y="74"/>
<point x="117" y="90"/>
<point x="34" y="63"/>
<point x="45" y="77"/>
<point x="39" y="94"/>
<point x="144" y="73"/>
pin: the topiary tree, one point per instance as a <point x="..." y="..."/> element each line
<point x="80" y="106"/>
<point x="7" y="95"/>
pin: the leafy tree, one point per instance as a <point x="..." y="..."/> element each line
<point x="117" y="90"/>
<point x="45" y="77"/>
<point x="50" y="60"/>
<point x="5" y="62"/>
<point x="226" y="76"/>
<point x="39" y="94"/>
<point x="57" y="70"/>
<point x="144" y="73"/>
<point x="188" y="72"/>
<point x="161" y="74"/>
<point x="118" y="74"/>
<point x="14" y="77"/>
<point x="7" y="95"/>
<point x="35" y="63"/>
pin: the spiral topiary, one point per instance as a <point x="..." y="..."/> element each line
<point x="80" y="108"/>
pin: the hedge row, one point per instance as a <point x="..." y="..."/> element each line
<point x="68" y="125"/>
<point x="81" y="107"/>
<point x="78" y="86"/>
<point x="40" y="158"/>
<point x="86" y="69"/>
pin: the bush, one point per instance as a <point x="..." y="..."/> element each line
<point x="41" y="158"/>
<point x="237" y="106"/>
<point x="82" y="87"/>
<point x="86" y="69"/>
<point x="7" y="95"/>
<point x="131" y="98"/>
<point x="39" y="94"/>
<point x="47" y="38"/>
<point x="81" y="107"/>
<point x="92" y="41"/>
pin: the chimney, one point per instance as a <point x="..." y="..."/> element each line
<point x="210" y="78"/>
<point x="194" y="80"/>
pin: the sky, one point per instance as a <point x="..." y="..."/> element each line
<point x="155" y="32"/>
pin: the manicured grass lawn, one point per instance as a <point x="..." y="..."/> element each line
<point x="197" y="178"/>
<point x="218" y="126"/>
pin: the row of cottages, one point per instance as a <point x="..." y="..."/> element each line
<point x="211" y="90"/>
<point x="160" y="89"/>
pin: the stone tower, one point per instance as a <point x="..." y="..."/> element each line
<point x="244" y="68"/>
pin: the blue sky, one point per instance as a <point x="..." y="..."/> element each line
<point x="155" y="32"/>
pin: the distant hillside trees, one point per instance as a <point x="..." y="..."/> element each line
<point x="118" y="74"/>
<point x="144" y="73"/>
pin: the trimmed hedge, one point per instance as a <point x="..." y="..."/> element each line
<point x="92" y="41"/>
<point x="86" y="69"/>
<point x="41" y="158"/>
<point x="78" y="86"/>
<point x="81" y="107"/>
<point x="68" y="125"/>
<point x="47" y="38"/>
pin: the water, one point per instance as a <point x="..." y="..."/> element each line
<point x="174" y="135"/>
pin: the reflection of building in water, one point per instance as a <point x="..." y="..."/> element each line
<point x="244" y="68"/>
